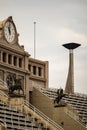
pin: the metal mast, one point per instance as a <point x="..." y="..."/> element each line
<point x="34" y="40"/>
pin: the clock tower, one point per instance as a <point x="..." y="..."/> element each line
<point x="13" y="57"/>
<point x="8" y="31"/>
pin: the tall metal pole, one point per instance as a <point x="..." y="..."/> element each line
<point x="34" y="40"/>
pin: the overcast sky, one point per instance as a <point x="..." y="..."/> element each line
<point x="57" y="22"/>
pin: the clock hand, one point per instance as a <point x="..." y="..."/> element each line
<point x="9" y="29"/>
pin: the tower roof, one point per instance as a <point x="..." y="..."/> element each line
<point x="71" y="45"/>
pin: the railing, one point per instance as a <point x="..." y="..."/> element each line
<point x="10" y="114"/>
<point x="44" y="117"/>
<point x="74" y="117"/>
<point x="47" y="92"/>
<point x="2" y="93"/>
<point x="47" y="119"/>
<point x="43" y="91"/>
<point x="81" y="95"/>
<point x="3" y="84"/>
<point x="3" y="124"/>
<point x="3" y="97"/>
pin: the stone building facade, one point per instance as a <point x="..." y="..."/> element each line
<point x="16" y="62"/>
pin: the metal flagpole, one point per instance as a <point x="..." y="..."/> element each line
<point x="34" y="40"/>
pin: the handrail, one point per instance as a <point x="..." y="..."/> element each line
<point x="77" y="120"/>
<point x="54" y="124"/>
<point x="34" y="109"/>
<point x="45" y="92"/>
<point x="3" y="123"/>
<point x="1" y="92"/>
<point x="47" y="119"/>
<point x="3" y="84"/>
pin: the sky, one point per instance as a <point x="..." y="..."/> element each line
<point x="57" y="22"/>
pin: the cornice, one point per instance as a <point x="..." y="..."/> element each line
<point x="14" y="68"/>
<point x="13" y="47"/>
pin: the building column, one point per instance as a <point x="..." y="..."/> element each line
<point x="42" y="71"/>
<point x="1" y="55"/>
<point x="12" y="60"/>
<point x="36" y="71"/>
<point x="5" y="75"/>
<point x="31" y="70"/>
<point x="23" y="63"/>
<point x="7" y="58"/>
<point x="26" y="62"/>
<point x="27" y="86"/>
<point x="18" y="62"/>
<point x="47" y="73"/>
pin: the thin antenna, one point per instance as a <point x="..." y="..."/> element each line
<point x="34" y="40"/>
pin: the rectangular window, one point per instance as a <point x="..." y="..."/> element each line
<point x="39" y="71"/>
<point x="4" y="57"/>
<point x="9" y="59"/>
<point x="29" y="67"/>
<point x="20" y="62"/>
<point x="34" y="70"/>
<point x="15" y="61"/>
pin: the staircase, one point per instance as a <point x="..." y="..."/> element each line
<point x="27" y="118"/>
<point x="21" y="120"/>
<point x="15" y="119"/>
<point x="41" y="116"/>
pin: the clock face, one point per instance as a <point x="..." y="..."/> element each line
<point x="9" y="31"/>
